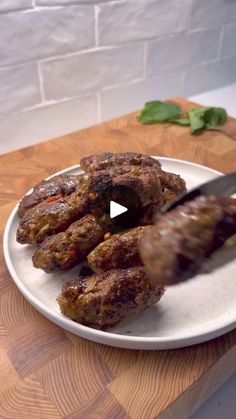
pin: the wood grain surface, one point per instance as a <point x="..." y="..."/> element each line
<point x="48" y="373"/>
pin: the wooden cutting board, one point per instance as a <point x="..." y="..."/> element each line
<point x="49" y="373"/>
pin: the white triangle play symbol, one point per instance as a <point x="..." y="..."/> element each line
<point x="116" y="209"/>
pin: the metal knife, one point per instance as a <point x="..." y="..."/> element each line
<point x="221" y="186"/>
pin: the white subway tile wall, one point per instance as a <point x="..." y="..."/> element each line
<point x="21" y="82"/>
<point x="129" y="20"/>
<point x="209" y="76"/>
<point x="27" y="128"/>
<point x="212" y="13"/>
<point x="92" y="71"/>
<point x="38" y="34"/>
<point x="9" y="5"/>
<point x="124" y="99"/>
<point x="183" y="50"/>
<point x="114" y="55"/>
<point x="228" y="45"/>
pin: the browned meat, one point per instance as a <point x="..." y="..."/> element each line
<point x="105" y="299"/>
<point x="50" y="217"/>
<point x="143" y="182"/>
<point x="176" y="247"/>
<point x="135" y="190"/>
<point x="172" y="182"/>
<point x="118" y="252"/>
<point x="151" y="212"/>
<point x="95" y="191"/>
<point x="144" y="185"/>
<point x="169" y="197"/>
<point x="85" y="272"/>
<point x="64" y="250"/>
<point x="140" y="188"/>
<point x="130" y="159"/>
<point x="152" y="188"/>
<point x="107" y="160"/>
<point x="56" y="187"/>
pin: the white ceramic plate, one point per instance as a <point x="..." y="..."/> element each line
<point x="190" y="313"/>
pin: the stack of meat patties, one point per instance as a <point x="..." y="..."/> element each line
<point x="66" y="217"/>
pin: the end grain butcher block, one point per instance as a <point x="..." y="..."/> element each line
<point x="47" y="372"/>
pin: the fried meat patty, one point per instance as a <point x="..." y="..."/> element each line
<point x="59" y="185"/>
<point x="129" y="162"/>
<point x="66" y="249"/>
<point x="50" y="217"/>
<point x="118" y="252"/>
<point x="148" y="185"/>
<point x="127" y="184"/>
<point x="140" y="187"/>
<point x="95" y="192"/>
<point x="136" y="190"/>
<point x="176" y="247"/>
<point x="151" y="212"/>
<point x="172" y="182"/>
<point x="105" y="299"/>
<point x="106" y="160"/>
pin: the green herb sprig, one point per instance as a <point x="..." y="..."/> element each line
<point x="198" y="119"/>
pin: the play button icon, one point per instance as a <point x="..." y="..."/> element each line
<point x="116" y="209"/>
<point x="119" y="200"/>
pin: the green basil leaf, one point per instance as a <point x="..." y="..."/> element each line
<point x="215" y="117"/>
<point x="197" y="122"/>
<point x="211" y="128"/>
<point x="198" y="119"/>
<point x="181" y="121"/>
<point x="207" y="118"/>
<point x="157" y="111"/>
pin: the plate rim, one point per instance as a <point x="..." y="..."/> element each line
<point x="100" y="336"/>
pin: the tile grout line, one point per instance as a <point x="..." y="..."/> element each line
<point x="99" y="107"/>
<point x="183" y="80"/>
<point x="221" y="44"/>
<point x="92" y="49"/>
<point x="145" y="53"/>
<point x="89" y="50"/>
<point x="45" y="104"/>
<point x="189" y="16"/>
<point x="96" y="12"/>
<point x="41" y="85"/>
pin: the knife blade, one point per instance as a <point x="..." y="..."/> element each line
<point x="221" y="186"/>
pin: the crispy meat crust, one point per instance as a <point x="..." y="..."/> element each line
<point x="105" y="299"/>
<point x="95" y="191"/>
<point x="176" y="247"/>
<point x="106" y="160"/>
<point x="60" y="185"/>
<point x="53" y="216"/>
<point x="123" y="163"/>
<point x="133" y="186"/>
<point x="172" y="182"/>
<point x="118" y="252"/>
<point x="64" y="250"/>
<point x="120" y="182"/>
<point x="44" y="219"/>
<point x="49" y="218"/>
<point x="144" y="185"/>
<point x="153" y="211"/>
